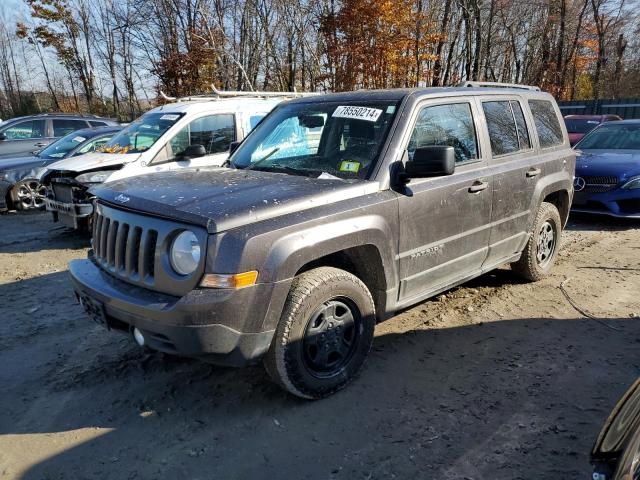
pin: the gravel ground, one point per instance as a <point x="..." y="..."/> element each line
<point x="497" y="379"/>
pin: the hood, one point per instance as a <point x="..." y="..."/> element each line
<point x="21" y="163"/>
<point x="221" y="199"/>
<point x="620" y="163"/>
<point x="93" y="161"/>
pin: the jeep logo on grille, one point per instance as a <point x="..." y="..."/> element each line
<point x="578" y="183"/>
<point x="122" y="198"/>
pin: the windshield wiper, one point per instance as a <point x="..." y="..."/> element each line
<point x="251" y="166"/>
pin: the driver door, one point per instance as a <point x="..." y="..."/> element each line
<point x="444" y="221"/>
<point x="214" y="132"/>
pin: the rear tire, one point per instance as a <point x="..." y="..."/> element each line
<point x="541" y="250"/>
<point x="324" y="335"/>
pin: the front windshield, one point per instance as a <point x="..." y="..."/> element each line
<point x="142" y="133"/>
<point x="612" y="137"/>
<point x="63" y="146"/>
<point x="338" y="139"/>
<point x="580" y="126"/>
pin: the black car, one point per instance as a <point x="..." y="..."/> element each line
<point x="23" y="135"/>
<point x="20" y="187"/>
<point x="336" y="212"/>
<point x="616" y="453"/>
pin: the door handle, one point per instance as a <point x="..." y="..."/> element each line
<point x="40" y="144"/>
<point x="478" y="186"/>
<point x="533" y="172"/>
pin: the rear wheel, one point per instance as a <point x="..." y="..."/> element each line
<point x="324" y="335"/>
<point x="540" y="253"/>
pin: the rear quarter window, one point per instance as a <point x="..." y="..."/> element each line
<point x="547" y="123"/>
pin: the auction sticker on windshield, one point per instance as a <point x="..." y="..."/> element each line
<point x="357" y="113"/>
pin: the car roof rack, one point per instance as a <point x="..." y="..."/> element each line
<point x="498" y="85"/>
<point x="219" y="94"/>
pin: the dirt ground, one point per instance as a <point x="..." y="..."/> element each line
<point x="498" y="379"/>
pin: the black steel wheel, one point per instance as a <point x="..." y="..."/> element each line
<point x="331" y="337"/>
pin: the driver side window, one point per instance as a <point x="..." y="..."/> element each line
<point x="214" y="132"/>
<point x="448" y="125"/>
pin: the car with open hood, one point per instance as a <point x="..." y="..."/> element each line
<point x="608" y="171"/>
<point x="334" y="213"/>
<point x="20" y="178"/>
<point x="192" y="132"/>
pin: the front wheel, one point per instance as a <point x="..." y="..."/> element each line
<point x="29" y="194"/>
<point x="541" y="250"/>
<point x="324" y="335"/>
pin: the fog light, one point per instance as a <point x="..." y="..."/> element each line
<point x="138" y="337"/>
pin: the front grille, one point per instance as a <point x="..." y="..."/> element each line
<point x="124" y="249"/>
<point x="62" y="192"/>
<point x="134" y="247"/>
<point x="600" y="184"/>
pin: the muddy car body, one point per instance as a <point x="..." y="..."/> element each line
<point x="293" y="257"/>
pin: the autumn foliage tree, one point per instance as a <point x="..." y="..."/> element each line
<point x="377" y="44"/>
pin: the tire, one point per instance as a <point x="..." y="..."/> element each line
<point x="324" y="335"/>
<point x="28" y="194"/>
<point x="541" y="250"/>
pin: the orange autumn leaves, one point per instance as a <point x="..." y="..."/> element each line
<point x="378" y="44"/>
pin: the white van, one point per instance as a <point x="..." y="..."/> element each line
<point x="192" y="132"/>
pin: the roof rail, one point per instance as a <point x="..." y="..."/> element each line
<point x="498" y="85"/>
<point x="218" y="94"/>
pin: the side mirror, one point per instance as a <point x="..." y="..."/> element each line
<point x="193" y="151"/>
<point x="3" y="137"/>
<point x="233" y="146"/>
<point x="431" y="161"/>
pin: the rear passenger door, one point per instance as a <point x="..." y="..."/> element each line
<point x="516" y="171"/>
<point x="444" y="221"/>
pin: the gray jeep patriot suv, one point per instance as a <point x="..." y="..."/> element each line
<point x="334" y="213"/>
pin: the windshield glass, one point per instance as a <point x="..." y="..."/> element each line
<point x="580" y="126"/>
<point x="342" y="139"/>
<point x="63" y="146"/>
<point x="612" y="137"/>
<point x="141" y="133"/>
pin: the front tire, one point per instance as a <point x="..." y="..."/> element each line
<point x="324" y="335"/>
<point x="541" y="250"/>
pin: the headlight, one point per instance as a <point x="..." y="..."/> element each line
<point x="94" y="177"/>
<point x="185" y="253"/>
<point x="632" y="184"/>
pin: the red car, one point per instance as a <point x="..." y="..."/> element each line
<point x="579" y="125"/>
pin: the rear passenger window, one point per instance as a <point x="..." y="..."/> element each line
<point x="97" y="124"/>
<point x="449" y="125"/>
<point x="64" y="127"/>
<point x="502" y="127"/>
<point x="547" y="124"/>
<point x="521" y="124"/>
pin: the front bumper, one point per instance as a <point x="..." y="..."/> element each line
<point x="615" y="203"/>
<point x="73" y="215"/>
<point x="212" y="324"/>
